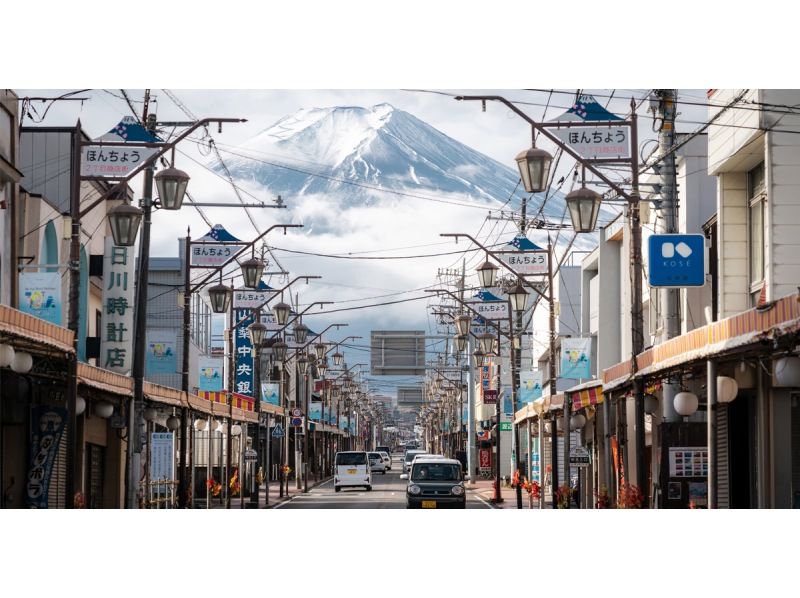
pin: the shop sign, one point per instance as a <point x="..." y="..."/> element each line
<point x="161" y="348"/>
<point x="162" y="456"/>
<point x="210" y="377"/>
<point x="40" y="295"/>
<point x="47" y="426"/>
<point x="116" y="334"/>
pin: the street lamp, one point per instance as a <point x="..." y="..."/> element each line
<point x="479" y="357"/>
<point x="461" y="343"/>
<point x="487" y="342"/>
<point x="337" y="359"/>
<point x="302" y="364"/>
<point x="319" y="349"/>
<point x="519" y="297"/>
<point x="279" y="349"/>
<point x="171" y="184"/>
<point x="534" y="169"/>
<point x="220" y="296"/>
<point x="281" y="311"/>
<point x="257" y="331"/>
<point x="252" y="270"/>
<point x="462" y="324"/>
<point x="300" y="333"/>
<point x="487" y="274"/>
<point x="124" y="220"/>
<point x="322" y="367"/>
<point x="584" y="207"/>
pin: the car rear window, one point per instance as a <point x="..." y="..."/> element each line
<point x="351" y="459"/>
<point x="375" y="456"/>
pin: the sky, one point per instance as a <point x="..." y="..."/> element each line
<point x="405" y="227"/>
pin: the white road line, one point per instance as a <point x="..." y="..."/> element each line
<point x="484" y="502"/>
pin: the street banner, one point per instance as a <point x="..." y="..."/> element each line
<point x="118" y="161"/>
<point x="530" y="387"/>
<point x="575" y="358"/>
<point x="490" y="310"/>
<point x="524" y="257"/>
<point x="210" y="377"/>
<point x="162" y="456"/>
<point x="47" y="426"/>
<point x="40" y="295"/>
<point x="251" y="298"/>
<point x="215" y="248"/>
<point x="160" y="352"/>
<point x="599" y="137"/>
<point x="270" y="393"/>
<point x="116" y="332"/>
<point x="315" y="410"/>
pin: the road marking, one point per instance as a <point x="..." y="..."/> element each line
<point x="484" y="502"/>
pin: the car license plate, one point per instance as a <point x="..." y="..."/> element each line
<point x="351" y="471"/>
<point x="428" y="504"/>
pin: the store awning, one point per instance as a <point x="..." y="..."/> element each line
<point x="583" y="395"/>
<point x="105" y="380"/>
<point x="539" y="406"/>
<point x="15" y="323"/>
<point x="164" y="394"/>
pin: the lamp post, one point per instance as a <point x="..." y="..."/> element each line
<point x="581" y="214"/>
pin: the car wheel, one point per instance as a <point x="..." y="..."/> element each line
<point x="337" y="488"/>
<point x="369" y="488"/>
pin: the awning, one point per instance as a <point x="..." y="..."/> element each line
<point x="539" y="406"/>
<point x="583" y="395"/>
<point x="164" y="394"/>
<point x="15" y="323"/>
<point x="105" y="380"/>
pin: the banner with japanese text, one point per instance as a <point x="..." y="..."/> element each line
<point x="160" y="355"/>
<point x="244" y="379"/>
<point x="116" y="333"/>
<point x="47" y="426"/>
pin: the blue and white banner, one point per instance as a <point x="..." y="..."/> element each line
<point x="47" y="426"/>
<point x="575" y="358"/>
<point x="530" y="387"/>
<point x="160" y="356"/>
<point x="40" y="295"/>
<point x="244" y="377"/>
<point x="270" y="393"/>
<point x="210" y="376"/>
<point x="162" y="456"/>
<point x="315" y="410"/>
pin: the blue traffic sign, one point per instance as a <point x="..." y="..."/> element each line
<point x="277" y="431"/>
<point x="296" y="421"/>
<point x="677" y="261"/>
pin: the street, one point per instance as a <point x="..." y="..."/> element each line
<point x="388" y="492"/>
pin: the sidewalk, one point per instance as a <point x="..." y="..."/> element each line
<point x="484" y="489"/>
<point x="274" y="496"/>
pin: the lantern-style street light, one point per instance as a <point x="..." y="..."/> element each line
<point x="171" y="184"/>
<point x="461" y="343"/>
<point x="220" y="297"/>
<point x="302" y="364"/>
<point x="300" y="333"/>
<point x="281" y="311"/>
<point x="124" y="220"/>
<point x="584" y="207"/>
<point x="320" y="349"/>
<point x="252" y="270"/>
<point x="279" y="349"/>
<point x="487" y="342"/>
<point x="337" y="359"/>
<point x="534" y="169"/>
<point x="487" y="274"/>
<point x="479" y="358"/>
<point x="463" y="322"/>
<point x="257" y="331"/>
<point x="519" y="297"/>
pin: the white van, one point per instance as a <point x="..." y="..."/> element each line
<point x="352" y="469"/>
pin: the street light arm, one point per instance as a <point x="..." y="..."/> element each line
<point x="502" y="263"/>
<point x="275" y="294"/>
<point x="316" y="336"/>
<point x="249" y="245"/>
<point x="163" y="149"/>
<point x="297" y="316"/>
<point x="543" y="129"/>
<point x="454" y="296"/>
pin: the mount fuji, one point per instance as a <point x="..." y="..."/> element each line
<point x="371" y="156"/>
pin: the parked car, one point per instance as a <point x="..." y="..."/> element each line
<point x="376" y="463"/>
<point x="387" y="460"/>
<point x="352" y="469"/>
<point x="434" y="484"/>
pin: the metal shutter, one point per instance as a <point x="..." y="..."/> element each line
<point x="56" y="495"/>
<point x="723" y="467"/>
<point x="795" y="449"/>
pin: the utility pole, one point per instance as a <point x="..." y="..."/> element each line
<point x="669" y="299"/>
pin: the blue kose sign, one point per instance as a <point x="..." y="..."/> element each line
<point x="677" y="261"/>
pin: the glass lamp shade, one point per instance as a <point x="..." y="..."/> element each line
<point x="279" y="349"/>
<point x="200" y="424"/>
<point x="22" y="362"/>
<point x="337" y="359"/>
<point x="173" y="423"/>
<point x="534" y="169"/>
<point x="220" y="297"/>
<point x="519" y="298"/>
<point x="335" y="390"/>
<point x="461" y="343"/>
<point x="787" y="371"/>
<point x="252" y="270"/>
<point x="281" y="311"/>
<point x="487" y="342"/>
<point x="300" y="333"/>
<point x="319" y="349"/>
<point x="727" y="389"/>
<point x="685" y="403"/>
<point x="257" y="331"/>
<point x="462" y="324"/>
<point x="479" y="358"/>
<point x="236" y="429"/>
<point x="150" y="413"/>
<point x="577" y="421"/>
<point x="80" y="405"/>
<point x="171" y="184"/>
<point x="6" y="355"/>
<point x="487" y="274"/>
<point x="584" y="207"/>
<point x="124" y="220"/>
<point x="302" y="364"/>
<point x="322" y="367"/>
<point x="346" y="381"/>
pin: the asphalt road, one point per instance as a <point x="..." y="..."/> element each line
<point x="388" y="492"/>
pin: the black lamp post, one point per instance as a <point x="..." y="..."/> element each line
<point x="479" y="358"/>
<point x="220" y="297"/>
<point x="279" y="350"/>
<point x="487" y="343"/>
<point x="462" y="324"/>
<point x="337" y="359"/>
<point x="584" y="207"/>
<point x="124" y="220"/>
<point x="320" y="349"/>
<point x="300" y="335"/>
<point x="252" y="270"/>
<point x="534" y="169"/>
<point x="461" y="343"/>
<point x="519" y="297"/>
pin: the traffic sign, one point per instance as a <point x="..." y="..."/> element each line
<point x="296" y="421"/>
<point x="676" y="261"/>
<point x="277" y="431"/>
<point x="250" y="455"/>
<point x="579" y="456"/>
<point x="297" y="413"/>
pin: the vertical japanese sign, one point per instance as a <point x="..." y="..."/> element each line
<point x="535" y="461"/>
<point x="243" y="353"/>
<point x="210" y="377"/>
<point x="160" y="357"/>
<point x="162" y="456"/>
<point x="575" y="357"/>
<point x="116" y="335"/>
<point x="269" y="393"/>
<point x="40" y="295"/>
<point x="530" y="387"/>
<point x="47" y="426"/>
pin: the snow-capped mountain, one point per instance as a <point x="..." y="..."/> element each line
<point x="356" y="154"/>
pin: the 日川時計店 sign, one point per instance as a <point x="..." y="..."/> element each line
<point x="596" y="142"/>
